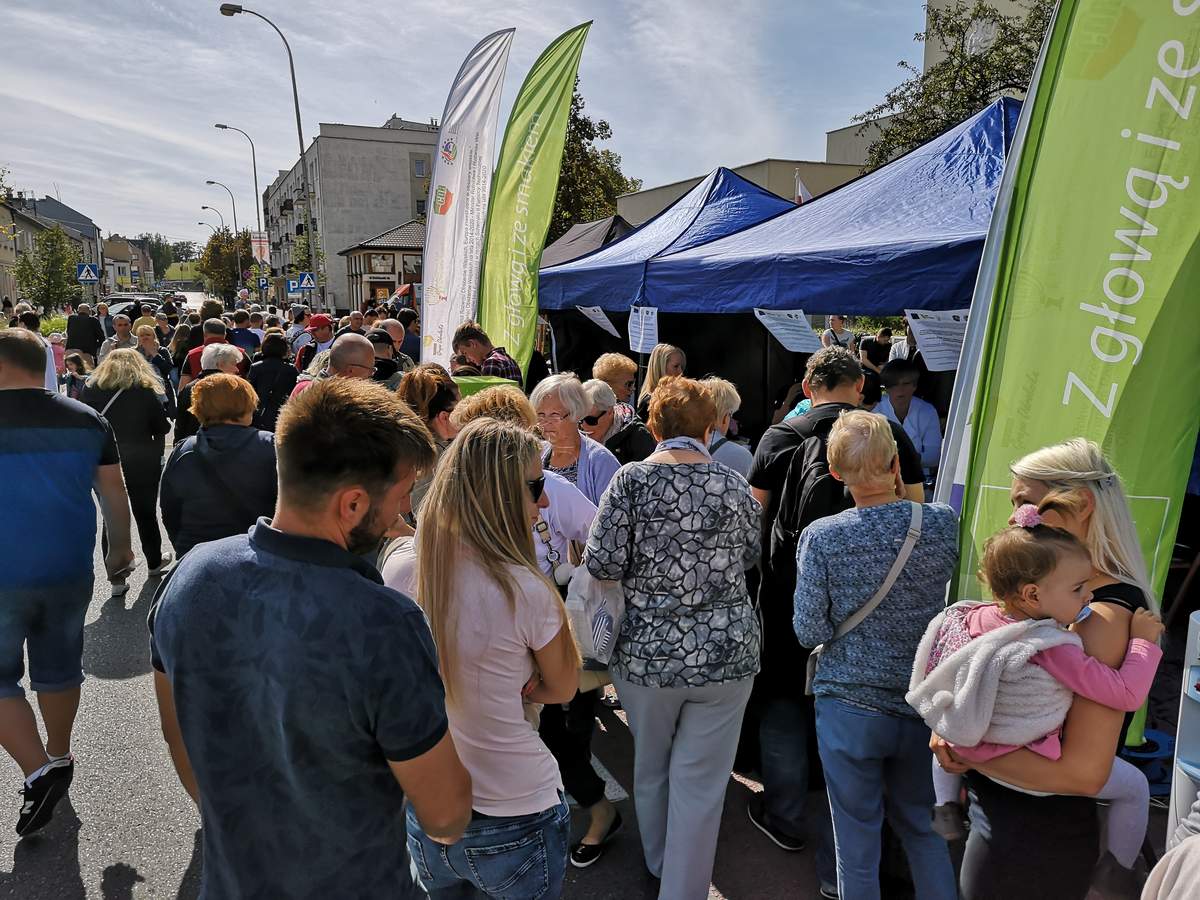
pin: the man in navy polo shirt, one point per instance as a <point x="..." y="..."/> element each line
<point x="54" y="452"/>
<point x="300" y="697"/>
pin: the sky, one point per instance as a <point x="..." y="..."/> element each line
<point x="110" y="106"/>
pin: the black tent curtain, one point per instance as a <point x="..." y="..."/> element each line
<point x="733" y="346"/>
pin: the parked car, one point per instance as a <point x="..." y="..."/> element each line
<point x="129" y="304"/>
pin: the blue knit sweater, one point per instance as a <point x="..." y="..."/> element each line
<point x="840" y="563"/>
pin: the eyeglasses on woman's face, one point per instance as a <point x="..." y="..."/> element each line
<point x="537" y="487"/>
<point x="552" y="417"/>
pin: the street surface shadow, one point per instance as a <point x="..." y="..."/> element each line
<point x="46" y="864"/>
<point x="117" y="645"/>
<point x="189" y="885"/>
<point x="118" y="880"/>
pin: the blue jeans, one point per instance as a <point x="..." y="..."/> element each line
<point x="48" y="622"/>
<point x="874" y="760"/>
<point x="519" y="856"/>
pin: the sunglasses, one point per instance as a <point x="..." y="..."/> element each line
<point x="536" y="488"/>
<point x="594" y="420"/>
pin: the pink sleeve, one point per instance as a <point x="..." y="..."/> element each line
<point x="540" y="612"/>
<point x="1125" y="688"/>
<point x="982" y="752"/>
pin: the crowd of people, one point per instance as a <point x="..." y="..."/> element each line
<point x="363" y="658"/>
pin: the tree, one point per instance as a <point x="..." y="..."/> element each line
<point x="183" y="251"/>
<point x="160" y="252"/>
<point x="218" y="262"/>
<point x="46" y="275"/>
<point x="300" y="258"/>
<point x="589" y="179"/>
<point x="988" y="54"/>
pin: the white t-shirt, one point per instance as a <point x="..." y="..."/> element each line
<point x="512" y="771"/>
<point x="569" y="516"/>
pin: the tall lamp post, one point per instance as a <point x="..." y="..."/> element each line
<point x="257" y="195"/>
<point x="210" y="225"/>
<point x="237" y="243"/>
<point x="218" y="212"/>
<point x="233" y="9"/>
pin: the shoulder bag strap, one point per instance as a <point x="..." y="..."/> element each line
<point x="910" y="541"/>
<point x="111" y="401"/>
<point x="718" y="445"/>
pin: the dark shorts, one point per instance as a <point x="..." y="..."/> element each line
<point x="49" y="621"/>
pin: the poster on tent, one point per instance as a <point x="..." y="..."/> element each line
<point x="643" y="328"/>
<point x="459" y="189"/>
<point x="598" y="316"/>
<point x="939" y="335"/>
<point x="1092" y="273"/>
<point x="790" y="327"/>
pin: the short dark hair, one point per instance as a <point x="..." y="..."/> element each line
<point x="274" y="346"/>
<point x="30" y="320"/>
<point x="407" y="316"/>
<point x="466" y="332"/>
<point x="898" y="371"/>
<point x="241" y="316"/>
<point x="344" y="431"/>
<point x="214" y="326"/>
<point x="872" y="390"/>
<point x="147" y="309"/>
<point x="831" y="367"/>
<point x="211" y="309"/>
<point x="22" y="348"/>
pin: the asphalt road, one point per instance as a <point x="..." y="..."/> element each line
<point x="127" y="829"/>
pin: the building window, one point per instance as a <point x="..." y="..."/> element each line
<point x="420" y="207"/>
<point x="419" y="168"/>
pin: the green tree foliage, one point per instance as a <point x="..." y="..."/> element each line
<point x="300" y="259"/>
<point x="160" y="252"/>
<point x="219" y="261"/>
<point x="590" y="179"/>
<point x="988" y="54"/>
<point x="46" y="275"/>
<point x="183" y="251"/>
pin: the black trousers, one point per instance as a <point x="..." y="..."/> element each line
<point x="567" y="732"/>
<point x="142" y="468"/>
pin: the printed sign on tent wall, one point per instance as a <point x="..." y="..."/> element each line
<point x="939" y="336"/>
<point x="643" y="328"/>
<point x="790" y="327"/>
<point x="599" y="317"/>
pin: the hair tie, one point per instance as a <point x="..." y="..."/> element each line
<point x="1027" y="516"/>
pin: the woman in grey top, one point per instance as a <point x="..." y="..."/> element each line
<point x="678" y="532"/>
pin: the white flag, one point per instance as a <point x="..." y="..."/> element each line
<point x="458" y="196"/>
<point x="803" y="194"/>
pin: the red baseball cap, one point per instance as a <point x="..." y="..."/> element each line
<point x="320" y="320"/>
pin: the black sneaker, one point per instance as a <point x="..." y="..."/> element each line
<point x="583" y="855"/>
<point x="40" y="798"/>
<point x="781" y="839"/>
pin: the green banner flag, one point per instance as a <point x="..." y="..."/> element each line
<point x="522" y="199"/>
<point x="1093" y="272"/>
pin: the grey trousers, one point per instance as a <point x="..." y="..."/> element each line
<point x="684" y="741"/>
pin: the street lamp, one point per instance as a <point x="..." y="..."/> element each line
<point x="210" y="225"/>
<point x="217" y="211"/>
<point x="233" y="9"/>
<point x="237" y="234"/>
<point x="254" y="166"/>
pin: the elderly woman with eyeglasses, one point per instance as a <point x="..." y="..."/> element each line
<point x="615" y="424"/>
<point x="561" y="405"/>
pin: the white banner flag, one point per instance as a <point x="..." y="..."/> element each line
<point x="458" y="196"/>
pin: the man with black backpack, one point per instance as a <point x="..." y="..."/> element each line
<point x="791" y="479"/>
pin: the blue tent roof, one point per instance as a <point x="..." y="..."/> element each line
<point x="612" y="276"/>
<point x="908" y="235"/>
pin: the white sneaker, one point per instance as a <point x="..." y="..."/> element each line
<point x="167" y="559"/>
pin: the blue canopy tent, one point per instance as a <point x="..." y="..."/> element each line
<point x="612" y="276"/>
<point x="908" y="235"/>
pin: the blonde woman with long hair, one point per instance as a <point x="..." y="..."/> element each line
<point x="124" y="389"/>
<point x="502" y="635"/>
<point x="665" y="359"/>
<point x="1057" y="836"/>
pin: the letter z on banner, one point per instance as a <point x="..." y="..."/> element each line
<point x="458" y="196"/>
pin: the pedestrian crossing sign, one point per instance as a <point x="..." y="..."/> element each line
<point x="86" y="273"/>
<point x="307" y="283"/>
